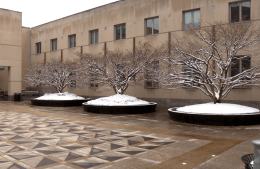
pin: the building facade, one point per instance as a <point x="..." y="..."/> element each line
<point x="120" y="25"/>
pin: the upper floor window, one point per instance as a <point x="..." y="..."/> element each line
<point x="240" y="11"/>
<point x="38" y="47"/>
<point x="152" y="26"/>
<point x="93" y="37"/>
<point x="120" y="32"/>
<point x="53" y="44"/>
<point x="191" y="19"/>
<point x="72" y="41"/>
<point x="240" y="64"/>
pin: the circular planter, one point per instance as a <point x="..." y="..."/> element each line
<point x="213" y="119"/>
<point x="58" y="103"/>
<point x="128" y="109"/>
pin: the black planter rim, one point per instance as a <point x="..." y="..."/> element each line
<point x="150" y="103"/>
<point x="208" y="114"/>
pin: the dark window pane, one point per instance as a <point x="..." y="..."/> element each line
<point x="246" y="11"/>
<point x="118" y="29"/>
<point x="74" y="41"/>
<point x="96" y="36"/>
<point x="71" y="41"/>
<point x="156" y="26"/>
<point x="55" y="42"/>
<point x="196" y="19"/>
<point x="149" y="26"/>
<point x="235" y="12"/>
<point x="92" y="38"/>
<point x="246" y="64"/>
<point x="123" y="31"/>
<point x="235" y="67"/>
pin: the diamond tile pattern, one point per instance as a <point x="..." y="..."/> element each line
<point x="32" y="141"/>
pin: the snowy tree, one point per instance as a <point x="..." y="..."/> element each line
<point x="213" y="59"/>
<point x="55" y="73"/>
<point x="117" y="69"/>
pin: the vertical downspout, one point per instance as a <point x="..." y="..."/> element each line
<point x="30" y="47"/>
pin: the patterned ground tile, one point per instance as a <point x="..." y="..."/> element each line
<point x="127" y="142"/>
<point x="60" y="167"/>
<point x="131" y="150"/>
<point x="89" y="162"/>
<point x="148" y="146"/>
<point x="73" y="146"/>
<point x="38" y="141"/>
<point x="142" y="138"/>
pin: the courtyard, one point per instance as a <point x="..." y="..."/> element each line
<point x="65" y="138"/>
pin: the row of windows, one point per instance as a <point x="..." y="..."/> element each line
<point x="239" y="12"/>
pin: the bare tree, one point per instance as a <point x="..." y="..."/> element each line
<point x="55" y="73"/>
<point x="213" y="59"/>
<point x="117" y="69"/>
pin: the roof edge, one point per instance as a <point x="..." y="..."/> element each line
<point x="10" y="10"/>
<point x="77" y="13"/>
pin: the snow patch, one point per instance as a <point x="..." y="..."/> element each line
<point x="218" y="108"/>
<point x="118" y="100"/>
<point x="60" y="96"/>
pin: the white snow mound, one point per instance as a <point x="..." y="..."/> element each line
<point x="117" y="100"/>
<point x="60" y="96"/>
<point x="218" y="108"/>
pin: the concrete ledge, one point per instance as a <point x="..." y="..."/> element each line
<point x="58" y="103"/>
<point x="215" y="120"/>
<point x="131" y="109"/>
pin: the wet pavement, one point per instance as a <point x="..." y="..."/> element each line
<point x="64" y="138"/>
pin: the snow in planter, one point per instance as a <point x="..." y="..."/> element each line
<point x="60" y="96"/>
<point x="219" y="108"/>
<point x="118" y="100"/>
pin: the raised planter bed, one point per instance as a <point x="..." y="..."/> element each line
<point x="125" y="109"/>
<point x="58" y="103"/>
<point x="215" y="120"/>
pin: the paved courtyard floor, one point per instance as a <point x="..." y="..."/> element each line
<point x="66" y="138"/>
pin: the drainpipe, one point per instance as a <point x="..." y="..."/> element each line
<point x="30" y="48"/>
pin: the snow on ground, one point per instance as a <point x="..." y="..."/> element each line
<point x="117" y="100"/>
<point x="60" y="96"/>
<point x="219" y="108"/>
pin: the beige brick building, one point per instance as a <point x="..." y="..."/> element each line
<point x="117" y="26"/>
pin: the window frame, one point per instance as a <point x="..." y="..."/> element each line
<point x="74" y="41"/>
<point x="240" y="58"/>
<point x="192" y="19"/>
<point x="192" y="73"/>
<point x="240" y="11"/>
<point x="155" y="84"/>
<point x="38" y="47"/>
<point x="145" y="27"/>
<point x="90" y="33"/>
<point x="56" y="45"/>
<point x="94" y="76"/>
<point x="123" y="24"/>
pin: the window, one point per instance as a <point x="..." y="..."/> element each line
<point x="94" y="37"/>
<point x="239" y="65"/>
<point x="71" y="77"/>
<point x="93" y="78"/>
<point x="191" y="19"/>
<point x="38" y="47"/>
<point x="120" y="31"/>
<point x="152" y="26"/>
<point x="190" y="74"/>
<point x="240" y="11"/>
<point x="152" y="75"/>
<point x="53" y="44"/>
<point x="72" y="41"/>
